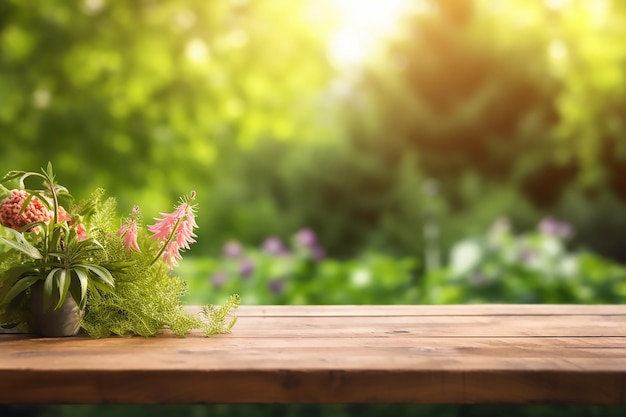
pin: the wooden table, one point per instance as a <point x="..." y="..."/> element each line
<point x="515" y="354"/>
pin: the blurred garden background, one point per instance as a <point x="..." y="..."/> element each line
<point x="342" y="151"/>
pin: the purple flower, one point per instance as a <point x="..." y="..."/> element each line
<point x="306" y="238"/>
<point x="246" y="268"/>
<point x="218" y="279"/>
<point x="232" y="249"/>
<point x="276" y="286"/>
<point x="274" y="246"/>
<point x="554" y="227"/>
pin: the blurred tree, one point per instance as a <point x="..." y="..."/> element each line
<point x="495" y="99"/>
<point x="140" y="97"/>
<point x="498" y="102"/>
<point x="469" y="104"/>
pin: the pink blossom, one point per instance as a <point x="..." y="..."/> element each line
<point x="11" y="206"/>
<point x="63" y="215"/>
<point x="81" y="232"/>
<point x="171" y="255"/>
<point x="175" y="231"/>
<point x="162" y="229"/>
<point x="128" y="231"/>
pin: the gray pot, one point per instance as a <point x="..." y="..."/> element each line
<point x="64" y="321"/>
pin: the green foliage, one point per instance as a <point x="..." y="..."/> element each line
<point x="50" y="250"/>
<point x="519" y="100"/>
<point x="277" y="274"/>
<point x="115" y="91"/>
<point x="121" y="289"/>
<point x="533" y="267"/>
<point x="147" y="297"/>
<point x="498" y="266"/>
<point x="148" y="302"/>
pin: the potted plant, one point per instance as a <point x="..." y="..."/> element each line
<point x="68" y="265"/>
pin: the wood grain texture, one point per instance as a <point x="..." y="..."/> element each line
<point x="514" y="354"/>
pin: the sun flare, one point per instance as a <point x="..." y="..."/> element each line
<point x="362" y="26"/>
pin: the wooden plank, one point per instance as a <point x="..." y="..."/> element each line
<point x="428" y="310"/>
<point x="313" y="358"/>
<point x="23" y="345"/>
<point x="199" y="356"/>
<point x="432" y="326"/>
<point x="342" y="354"/>
<point x="331" y="386"/>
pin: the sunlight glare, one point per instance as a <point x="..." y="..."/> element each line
<point x="556" y="4"/>
<point x="197" y="51"/>
<point x="362" y="26"/>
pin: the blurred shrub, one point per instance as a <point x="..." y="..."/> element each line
<point x="497" y="267"/>
<point x="533" y="267"/>
<point x="299" y="273"/>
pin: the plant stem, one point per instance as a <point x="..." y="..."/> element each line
<point x="167" y="242"/>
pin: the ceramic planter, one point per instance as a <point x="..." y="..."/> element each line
<point x="64" y="321"/>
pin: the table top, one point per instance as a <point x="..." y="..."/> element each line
<point x="514" y="354"/>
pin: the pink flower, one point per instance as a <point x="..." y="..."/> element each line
<point x="81" y="232"/>
<point x="11" y="206"/>
<point x="175" y="230"/>
<point x="128" y="231"/>
<point x="63" y="215"/>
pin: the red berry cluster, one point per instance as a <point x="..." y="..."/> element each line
<point x="10" y="211"/>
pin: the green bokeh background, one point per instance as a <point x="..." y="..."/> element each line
<point x="401" y="165"/>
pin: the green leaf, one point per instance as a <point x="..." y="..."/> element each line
<point x="26" y="202"/>
<point x="12" y="275"/>
<point x="95" y="243"/>
<point x="29" y="226"/>
<point x="75" y="290"/>
<point x="101" y="273"/>
<point x="26" y="175"/>
<point x="58" y="231"/>
<point x="83" y="279"/>
<point x="48" y="287"/>
<point x="11" y="175"/>
<point x="98" y="288"/>
<point x="4" y="191"/>
<point x="36" y="193"/>
<point x="19" y="287"/>
<point x="62" y="191"/>
<point x="64" y="286"/>
<point x="49" y="170"/>
<point x="22" y="245"/>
